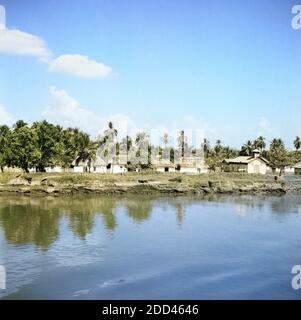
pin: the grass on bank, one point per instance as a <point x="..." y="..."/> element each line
<point x="91" y="178"/>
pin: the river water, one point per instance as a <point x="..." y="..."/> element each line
<point x="219" y="247"/>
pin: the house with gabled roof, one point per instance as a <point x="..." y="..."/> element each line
<point x="297" y="168"/>
<point x="193" y="165"/>
<point x="255" y="164"/>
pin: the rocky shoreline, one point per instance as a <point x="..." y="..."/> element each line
<point x="147" y="184"/>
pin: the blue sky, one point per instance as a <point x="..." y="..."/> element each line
<point x="231" y="68"/>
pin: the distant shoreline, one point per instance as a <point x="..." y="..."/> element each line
<point x="145" y="183"/>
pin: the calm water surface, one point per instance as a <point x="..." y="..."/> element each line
<point x="150" y="248"/>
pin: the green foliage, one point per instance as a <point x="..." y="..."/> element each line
<point x="297" y="143"/>
<point x="25" y="152"/>
<point x="215" y="156"/>
<point x="278" y="156"/>
<point x="49" y="144"/>
<point x="43" y="145"/>
<point x="4" y="146"/>
<point x="249" y="146"/>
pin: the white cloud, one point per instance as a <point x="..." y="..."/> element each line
<point x="67" y="111"/>
<point x="79" y="65"/>
<point x="265" y="127"/>
<point x="22" y="43"/>
<point x="5" y="117"/>
<point x="2" y="17"/>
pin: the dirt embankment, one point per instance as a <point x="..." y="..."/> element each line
<point x="150" y="183"/>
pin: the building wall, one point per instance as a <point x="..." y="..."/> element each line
<point x="193" y="170"/>
<point x="13" y="170"/>
<point x="78" y="169"/>
<point x="287" y="170"/>
<point x="298" y="171"/>
<point x="100" y="169"/>
<point x="162" y="169"/>
<point x="257" y="166"/>
<point x="116" y="168"/>
<point x="235" y="167"/>
<point x="54" y="169"/>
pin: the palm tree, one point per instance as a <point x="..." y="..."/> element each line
<point x="110" y="141"/>
<point x="166" y="150"/>
<point x="218" y="146"/>
<point x="86" y="149"/>
<point x="4" y="144"/>
<point x="142" y="144"/>
<point x="19" y="124"/>
<point x="247" y="148"/>
<point x="126" y="144"/>
<point x="206" y="146"/>
<point x="165" y="140"/>
<point x="259" y="143"/>
<point x="277" y="143"/>
<point x="181" y="142"/>
<point x="297" y="143"/>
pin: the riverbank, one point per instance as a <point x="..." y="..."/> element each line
<point x="145" y="183"/>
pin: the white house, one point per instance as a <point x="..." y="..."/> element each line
<point x="286" y="170"/>
<point x="54" y="169"/>
<point x="193" y="165"/>
<point x="254" y="164"/>
<point x="168" y="167"/>
<point x="189" y="165"/>
<point x="118" y="165"/>
<point x="297" y="168"/>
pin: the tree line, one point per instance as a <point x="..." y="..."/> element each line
<point x="277" y="154"/>
<point x="44" y="144"/>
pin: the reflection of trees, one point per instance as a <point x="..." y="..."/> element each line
<point x="24" y="224"/>
<point x="139" y="211"/>
<point x="288" y="204"/>
<point x="27" y="220"/>
<point x="180" y="213"/>
<point x="82" y="212"/>
<point x="81" y="223"/>
<point x="107" y="210"/>
<point x="36" y="220"/>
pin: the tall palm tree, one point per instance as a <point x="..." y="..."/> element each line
<point x="165" y="140"/>
<point x="181" y="143"/>
<point x="109" y="140"/>
<point x="218" y="146"/>
<point x="206" y="146"/>
<point x="166" y="149"/>
<point x="126" y="144"/>
<point x="259" y="143"/>
<point x="4" y="144"/>
<point x="142" y="144"/>
<point x="297" y="143"/>
<point x="277" y="143"/>
<point x="19" y="124"/>
<point x="247" y="148"/>
<point x="86" y="149"/>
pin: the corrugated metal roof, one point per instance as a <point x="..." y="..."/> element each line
<point x="244" y="160"/>
<point x="298" y="165"/>
<point x="241" y="159"/>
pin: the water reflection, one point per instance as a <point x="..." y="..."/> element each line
<point x="28" y="220"/>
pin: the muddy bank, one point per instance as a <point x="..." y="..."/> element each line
<point x="146" y="184"/>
